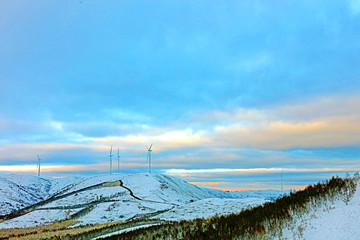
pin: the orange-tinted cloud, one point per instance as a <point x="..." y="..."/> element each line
<point x="207" y="183"/>
<point x="323" y="122"/>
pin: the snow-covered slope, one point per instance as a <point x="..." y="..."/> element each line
<point x="333" y="220"/>
<point x="163" y="188"/>
<point x="19" y="191"/>
<point x="263" y="194"/>
<point x="209" y="207"/>
<point x="116" y="197"/>
<point x="61" y="184"/>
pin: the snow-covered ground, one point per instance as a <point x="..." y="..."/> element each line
<point x="60" y="184"/>
<point x="330" y="221"/>
<point x="19" y="191"/>
<point x="164" y="188"/>
<point x="263" y="194"/>
<point x="119" y="211"/>
<point x="35" y="218"/>
<point x="209" y="207"/>
<point x="116" y="197"/>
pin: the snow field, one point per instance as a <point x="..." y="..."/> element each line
<point x="35" y="218"/>
<point x="209" y="207"/>
<point x="332" y="221"/>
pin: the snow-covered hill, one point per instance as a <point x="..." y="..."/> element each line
<point x="116" y="197"/>
<point x="270" y="195"/>
<point x="19" y="191"/>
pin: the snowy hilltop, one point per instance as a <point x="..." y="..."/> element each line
<point x="325" y="211"/>
<point x="28" y="201"/>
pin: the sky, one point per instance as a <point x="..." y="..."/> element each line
<point x="230" y="93"/>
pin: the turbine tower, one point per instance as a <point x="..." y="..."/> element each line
<point x="110" y="155"/>
<point x="38" y="165"/>
<point x="149" y="157"/>
<point x="118" y="160"/>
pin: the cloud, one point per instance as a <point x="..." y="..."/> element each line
<point x="354" y="6"/>
<point x="279" y="135"/>
<point x="207" y="184"/>
<point x="162" y="140"/>
<point x="320" y="122"/>
<point x="323" y="122"/>
<point x="254" y="170"/>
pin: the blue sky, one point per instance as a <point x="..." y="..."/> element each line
<point x="253" y="86"/>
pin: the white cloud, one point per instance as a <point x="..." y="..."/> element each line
<point x="332" y="121"/>
<point x="354" y="6"/>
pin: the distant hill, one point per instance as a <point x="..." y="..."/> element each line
<point x="19" y="191"/>
<point x="270" y="195"/>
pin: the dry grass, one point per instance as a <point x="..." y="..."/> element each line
<point x="18" y="232"/>
<point x="111" y="184"/>
<point x="61" y="230"/>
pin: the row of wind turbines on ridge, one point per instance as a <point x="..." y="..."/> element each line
<point x="148" y="159"/>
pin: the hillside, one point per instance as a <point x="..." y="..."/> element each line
<point x="332" y="219"/>
<point x="111" y="198"/>
<point x="19" y="191"/>
<point x="270" y="195"/>
<point x="325" y="211"/>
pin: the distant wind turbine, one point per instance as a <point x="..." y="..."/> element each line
<point x="149" y="157"/>
<point x="110" y="155"/>
<point x="38" y="165"/>
<point x="118" y="160"/>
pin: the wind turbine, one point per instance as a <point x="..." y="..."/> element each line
<point x="149" y="157"/>
<point x="38" y="165"/>
<point x="110" y="155"/>
<point x="118" y="160"/>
